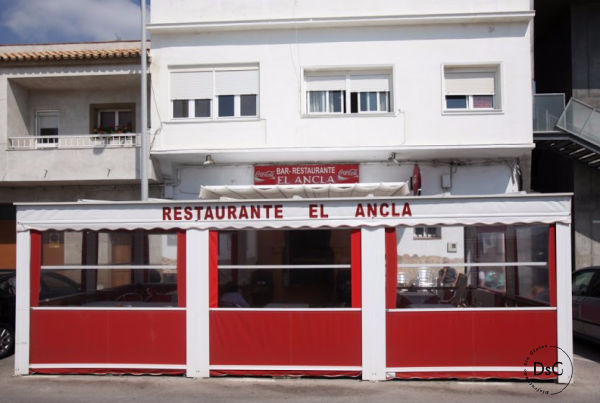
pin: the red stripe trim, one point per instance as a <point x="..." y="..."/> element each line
<point x="213" y="269"/>
<point x="35" y="266"/>
<point x="468" y="375"/>
<point x="102" y="371"/>
<point x="552" y="264"/>
<point x="181" y="267"/>
<point x="275" y="373"/>
<point x="391" y="263"/>
<point x="356" y="268"/>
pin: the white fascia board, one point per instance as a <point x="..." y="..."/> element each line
<point x="345" y="154"/>
<point x="305" y="23"/>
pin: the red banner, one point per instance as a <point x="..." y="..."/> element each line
<point x="305" y="174"/>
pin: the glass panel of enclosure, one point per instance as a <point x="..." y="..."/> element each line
<point x="108" y="268"/>
<point x="284" y="268"/>
<point x="473" y="266"/>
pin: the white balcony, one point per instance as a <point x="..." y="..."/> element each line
<point x="117" y="140"/>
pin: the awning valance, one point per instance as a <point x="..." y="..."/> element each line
<point x="298" y="213"/>
<point x="257" y="192"/>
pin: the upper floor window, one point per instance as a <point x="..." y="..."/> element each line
<point x="471" y="89"/>
<point x="47" y="125"/>
<point x="112" y="118"/>
<point x="335" y="92"/>
<point x="215" y="93"/>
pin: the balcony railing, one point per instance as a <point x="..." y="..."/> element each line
<point x="582" y="120"/>
<point x="546" y="111"/>
<point x="119" y="140"/>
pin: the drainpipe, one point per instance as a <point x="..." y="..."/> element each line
<point x="144" y="112"/>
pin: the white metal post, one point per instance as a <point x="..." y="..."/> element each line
<point x="144" y="113"/>
<point x="22" y="303"/>
<point x="564" y="313"/>
<point x="373" y="304"/>
<point x="197" y="309"/>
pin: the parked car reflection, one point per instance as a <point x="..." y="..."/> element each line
<point x="52" y="285"/>
<point x="586" y="303"/>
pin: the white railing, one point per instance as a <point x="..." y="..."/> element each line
<point x="116" y="140"/>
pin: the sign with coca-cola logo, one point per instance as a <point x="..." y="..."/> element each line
<point x="305" y="174"/>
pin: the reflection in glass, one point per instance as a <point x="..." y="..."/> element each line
<point x="486" y="266"/>
<point x="290" y="283"/>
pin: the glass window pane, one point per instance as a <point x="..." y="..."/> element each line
<point x="107" y="119"/>
<point x="61" y="248"/>
<point x="108" y="288"/>
<point x="353" y="102"/>
<point x="202" y="108"/>
<point x="483" y="101"/>
<point x="294" y="287"/>
<point x="226" y="105"/>
<point x="364" y="101"/>
<point x="473" y="266"/>
<point x="126" y="120"/>
<point x="162" y="249"/>
<point x="115" y="247"/>
<point x="248" y="105"/>
<point x="180" y="108"/>
<point x="383" y="101"/>
<point x="317" y="101"/>
<point x="372" y="101"/>
<point x="456" y="102"/>
<point x="335" y="101"/>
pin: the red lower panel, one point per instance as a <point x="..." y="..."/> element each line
<point x="467" y="375"/>
<point x="119" y="337"/>
<point x="285" y="338"/>
<point x="327" y="374"/>
<point x="469" y="338"/>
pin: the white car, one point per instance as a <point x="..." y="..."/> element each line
<point x="586" y="303"/>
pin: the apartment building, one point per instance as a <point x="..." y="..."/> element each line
<point x="334" y="173"/>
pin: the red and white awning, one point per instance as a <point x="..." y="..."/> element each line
<point x="298" y="213"/>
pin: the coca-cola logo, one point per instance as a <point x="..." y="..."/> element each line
<point x="265" y="175"/>
<point x="345" y="174"/>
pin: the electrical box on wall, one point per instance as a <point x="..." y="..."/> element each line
<point x="446" y="181"/>
<point x="451" y="247"/>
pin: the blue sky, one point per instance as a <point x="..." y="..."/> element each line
<point x="48" y="21"/>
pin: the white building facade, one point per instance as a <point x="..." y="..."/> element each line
<point x="334" y="173"/>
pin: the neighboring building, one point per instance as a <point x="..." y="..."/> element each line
<point x="69" y="126"/>
<point x="567" y="153"/>
<point x="343" y="194"/>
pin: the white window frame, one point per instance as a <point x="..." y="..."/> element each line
<point x="40" y="139"/>
<point x="214" y="100"/>
<point x="348" y="73"/>
<point x="495" y="68"/>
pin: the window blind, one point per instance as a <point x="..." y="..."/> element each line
<point x="236" y="82"/>
<point x="325" y="83"/>
<point x="192" y="85"/>
<point x="370" y="82"/>
<point x="469" y="83"/>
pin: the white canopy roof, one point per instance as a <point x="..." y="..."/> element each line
<point x="298" y="213"/>
<point x="256" y="192"/>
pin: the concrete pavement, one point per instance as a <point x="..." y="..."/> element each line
<point x="149" y="389"/>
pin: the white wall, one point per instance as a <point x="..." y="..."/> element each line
<point x="488" y="178"/>
<point x="416" y="54"/>
<point x="172" y="11"/>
